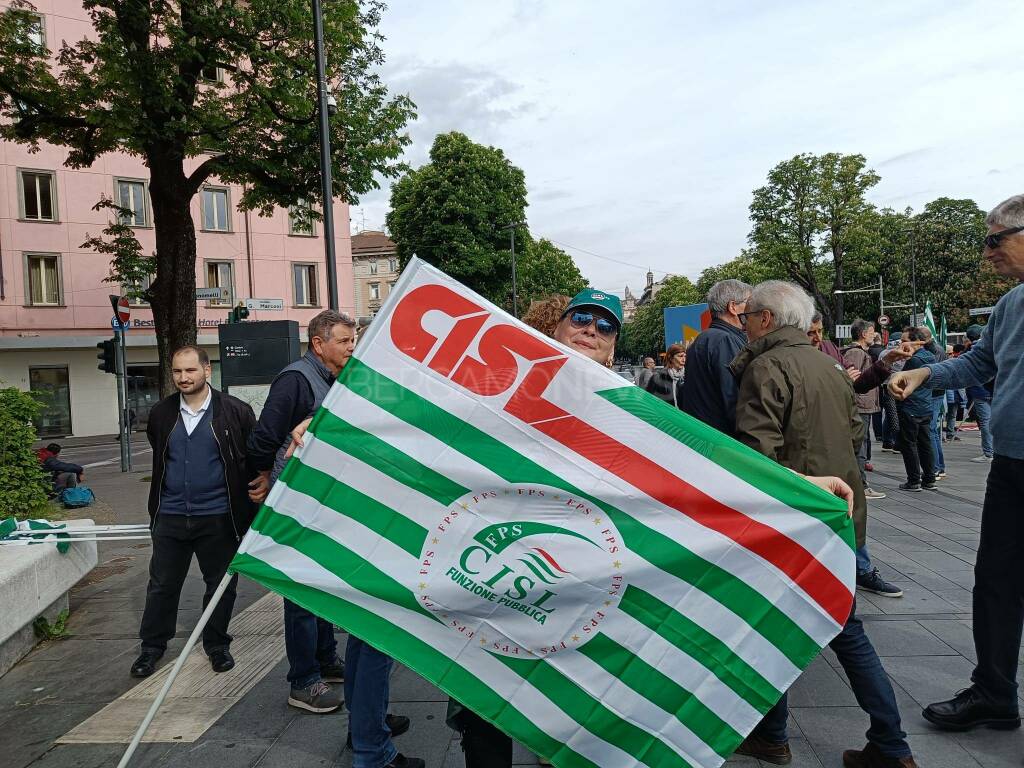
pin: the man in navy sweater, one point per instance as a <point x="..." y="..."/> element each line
<point x="998" y="570"/>
<point x="198" y="505"/>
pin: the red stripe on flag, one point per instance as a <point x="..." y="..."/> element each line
<point x="787" y="555"/>
<point x="550" y="559"/>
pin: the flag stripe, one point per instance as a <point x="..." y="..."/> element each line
<point x="646" y="542"/>
<point x="665" y="692"/>
<point x="370" y="449"/>
<point x="332" y="493"/>
<point x="695" y="641"/>
<point x="658" y="483"/>
<point x="414" y="649"/>
<point x="706" y="440"/>
<point x="583" y="707"/>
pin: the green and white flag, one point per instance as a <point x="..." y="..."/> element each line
<point x="929" y="320"/>
<point x="603" y="577"/>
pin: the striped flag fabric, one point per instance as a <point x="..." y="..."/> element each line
<point x="604" y="578"/>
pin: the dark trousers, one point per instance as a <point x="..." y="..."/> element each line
<point x="916" y="447"/>
<point x="891" y="422"/>
<point x="870" y="685"/>
<point x="484" y="745"/>
<point x="176" y="538"/>
<point x="999" y="583"/>
<point x="308" y="642"/>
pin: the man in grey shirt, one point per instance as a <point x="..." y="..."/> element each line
<point x="999" y="568"/>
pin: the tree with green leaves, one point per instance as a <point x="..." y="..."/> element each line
<point x="746" y="267"/>
<point x="804" y="219"/>
<point x="645" y="333"/>
<point x="23" y="484"/>
<point x="454" y="211"/>
<point x="205" y="89"/>
<point x="544" y="269"/>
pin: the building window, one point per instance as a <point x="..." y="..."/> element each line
<point x="215" y="210"/>
<point x="43" y="280"/>
<point x="373" y="266"/>
<point x="304" y="281"/>
<point x="50" y="383"/>
<point x="38" y="200"/>
<point x="299" y="220"/>
<point x="211" y="74"/>
<point x="36" y="32"/>
<point x="135" y="291"/>
<point x="393" y="265"/>
<point x="131" y="195"/>
<point x="391" y="285"/>
<point x="374" y="290"/>
<point x="220" y="274"/>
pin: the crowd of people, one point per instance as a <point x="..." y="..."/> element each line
<point x="763" y="373"/>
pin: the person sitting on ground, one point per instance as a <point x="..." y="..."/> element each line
<point x="63" y="474"/>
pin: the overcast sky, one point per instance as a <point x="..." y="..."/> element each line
<point x="643" y="127"/>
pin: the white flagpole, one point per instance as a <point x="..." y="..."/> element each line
<point x="178" y="664"/>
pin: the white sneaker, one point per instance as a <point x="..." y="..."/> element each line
<point x="871" y="493"/>
<point x="982" y="459"/>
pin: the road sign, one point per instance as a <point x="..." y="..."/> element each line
<point x="883" y="320"/>
<point x="121" y="310"/>
<point x="843" y="332"/>
<point x="981" y="311"/>
<point x="213" y="294"/>
<point x="265" y="305"/>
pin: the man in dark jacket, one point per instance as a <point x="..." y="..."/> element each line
<point x="916" y="414"/>
<point x="797" y="407"/>
<point x="198" y="505"/>
<point x="709" y="389"/>
<point x="63" y="474"/>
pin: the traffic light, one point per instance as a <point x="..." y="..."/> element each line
<point x="107" y="356"/>
<point x="239" y="313"/>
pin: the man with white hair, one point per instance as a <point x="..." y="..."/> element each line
<point x="796" y="406"/>
<point x="709" y="389"/>
<point x="998" y="570"/>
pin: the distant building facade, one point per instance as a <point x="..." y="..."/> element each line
<point x="374" y="271"/>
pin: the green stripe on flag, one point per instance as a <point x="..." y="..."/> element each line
<point x="663" y="691"/>
<point x="414" y="652"/>
<point x="339" y="560"/>
<point x="699" y="644"/>
<point x="734" y="457"/>
<point x="655" y="547"/>
<point x="646" y="747"/>
<point x="382" y="520"/>
<point x="371" y="450"/>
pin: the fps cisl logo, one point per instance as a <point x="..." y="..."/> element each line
<point x="522" y="570"/>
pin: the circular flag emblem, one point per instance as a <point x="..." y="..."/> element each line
<point x="523" y="570"/>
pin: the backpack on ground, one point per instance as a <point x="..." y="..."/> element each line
<point x="79" y="496"/>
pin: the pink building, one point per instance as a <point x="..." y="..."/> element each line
<point x="53" y="301"/>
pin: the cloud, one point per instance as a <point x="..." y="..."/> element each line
<point x="911" y="155"/>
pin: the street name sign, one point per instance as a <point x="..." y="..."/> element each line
<point x="981" y="311"/>
<point x="265" y="305"/>
<point x="212" y="294"/>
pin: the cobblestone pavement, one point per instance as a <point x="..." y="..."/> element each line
<point x="924" y="542"/>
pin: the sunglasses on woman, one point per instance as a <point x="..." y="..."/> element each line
<point x="993" y="240"/>
<point x="580" y="319"/>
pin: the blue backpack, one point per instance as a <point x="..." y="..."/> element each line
<point x="80" y="496"/>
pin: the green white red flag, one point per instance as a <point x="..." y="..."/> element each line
<point x="603" y="577"/>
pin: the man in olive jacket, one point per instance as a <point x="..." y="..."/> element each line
<point x="797" y="406"/>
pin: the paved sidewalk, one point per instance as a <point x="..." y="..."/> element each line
<point x="925" y="542"/>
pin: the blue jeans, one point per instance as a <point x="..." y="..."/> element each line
<point x="940" y="460"/>
<point x="367" y="691"/>
<point x="983" y="413"/>
<point x="309" y="642"/>
<point x="863" y="560"/>
<point x="870" y="685"/>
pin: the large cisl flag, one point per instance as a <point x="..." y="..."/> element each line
<point x="601" y="576"/>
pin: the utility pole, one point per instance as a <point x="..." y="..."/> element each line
<point x="515" y="289"/>
<point x="913" y="272"/>
<point x="326" y="185"/>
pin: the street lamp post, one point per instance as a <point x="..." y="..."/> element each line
<point x="515" y="288"/>
<point x="326" y="184"/>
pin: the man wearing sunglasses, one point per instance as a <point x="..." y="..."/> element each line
<point x="999" y="568"/>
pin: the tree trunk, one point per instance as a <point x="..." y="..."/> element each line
<point x="174" y="289"/>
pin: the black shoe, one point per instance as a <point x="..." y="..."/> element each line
<point x="145" y="665"/>
<point x="333" y="671"/>
<point x="401" y="761"/>
<point x="398" y="724"/>
<point x="929" y="486"/>
<point x="765" y="751"/>
<point x="221" y="659"/>
<point x="872" y="581"/>
<point x="969" y="709"/>
<point x="912" y="487"/>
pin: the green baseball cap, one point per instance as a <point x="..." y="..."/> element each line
<point x="590" y="297"/>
